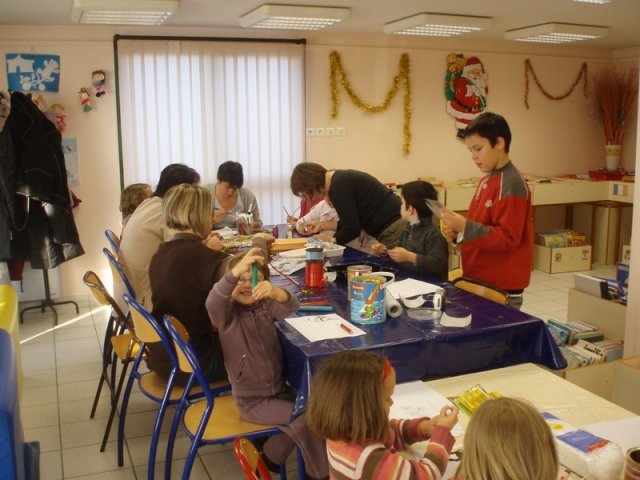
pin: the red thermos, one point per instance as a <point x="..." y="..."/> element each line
<point x="314" y="268"/>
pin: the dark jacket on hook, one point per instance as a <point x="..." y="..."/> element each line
<point x="44" y="230"/>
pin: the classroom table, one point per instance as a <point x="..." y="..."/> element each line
<point x="547" y="392"/>
<point x="498" y="336"/>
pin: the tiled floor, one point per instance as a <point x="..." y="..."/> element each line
<point x="61" y="367"/>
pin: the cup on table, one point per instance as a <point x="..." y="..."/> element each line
<point x="244" y="222"/>
<point x="632" y="464"/>
<point x="354" y="271"/>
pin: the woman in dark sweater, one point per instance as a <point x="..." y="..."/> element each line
<point x="363" y="203"/>
<point x="181" y="274"/>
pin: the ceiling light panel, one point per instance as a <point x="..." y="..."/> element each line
<point x="556" y="33"/>
<point x="293" y="17"/>
<point x="123" y="12"/>
<point x="437" y="25"/>
<point x="593" y="1"/>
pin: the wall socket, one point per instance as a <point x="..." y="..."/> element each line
<point x="311" y="132"/>
<point x="320" y="132"/>
<point x="341" y="131"/>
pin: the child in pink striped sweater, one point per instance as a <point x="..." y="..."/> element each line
<point x="349" y="406"/>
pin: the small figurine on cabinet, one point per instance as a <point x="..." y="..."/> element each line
<point x="59" y="115"/>
<point x="84" y="99"/>
<point x="98" y="78"/>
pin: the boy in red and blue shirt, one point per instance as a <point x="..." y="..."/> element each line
<point x="497" y="234"/>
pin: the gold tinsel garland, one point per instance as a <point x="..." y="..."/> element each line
<point x="337" y="69"/>
<point x="528" y="68"/>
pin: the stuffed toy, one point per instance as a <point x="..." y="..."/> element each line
<point x="98" y="78"/>
<point x="84" y="100"/>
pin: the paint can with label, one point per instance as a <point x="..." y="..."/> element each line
<point x="367" y="303"/>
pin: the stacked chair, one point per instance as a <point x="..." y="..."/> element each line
<point x="120" y="346"/>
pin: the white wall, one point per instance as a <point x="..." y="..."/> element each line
<point x="96" y="135"/>
<point x="549" y="138"/>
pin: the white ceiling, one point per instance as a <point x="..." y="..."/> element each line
<point x="369" y="16"/>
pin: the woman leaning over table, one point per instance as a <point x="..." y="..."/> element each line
<point x="230" y="198"/>
<point x="362" y="202"/>
<point x="182" y="272"/>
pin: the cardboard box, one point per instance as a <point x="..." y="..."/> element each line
<point x="566" y="259"/>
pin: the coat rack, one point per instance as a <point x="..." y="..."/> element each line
<point x="48" y="301"/>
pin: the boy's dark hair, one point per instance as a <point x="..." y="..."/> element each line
<point x="415" y="193"/>
<point x="307" y="178"/>
<point x="175" y="174"/>
<point x="231" y="172"/>
<point x="489" y="125"/>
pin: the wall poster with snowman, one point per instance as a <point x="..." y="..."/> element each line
<point x="28" y="72"/>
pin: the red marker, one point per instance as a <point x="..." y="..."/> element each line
<point x="345" y="328"/>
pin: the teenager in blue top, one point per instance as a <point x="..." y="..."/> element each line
<point x="421" y="246"/>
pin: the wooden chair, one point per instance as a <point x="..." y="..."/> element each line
<point x="114" y="241"/>
<point x="120" y="345"/>
<point x="212" y="420"/>
<point x="482" y="289"/>
<point x="250" y="460"/>
<point x="154" y="387"/>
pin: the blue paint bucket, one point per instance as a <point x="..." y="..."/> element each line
<point x="367" y="299"/>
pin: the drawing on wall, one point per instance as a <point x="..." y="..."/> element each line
<point x="465" y="89"/>
<point x="70" y="150"/>
<point x="27" y="72"/>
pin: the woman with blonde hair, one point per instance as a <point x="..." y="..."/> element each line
<point x="507" y="439"/>
<point x="182" y="272"/>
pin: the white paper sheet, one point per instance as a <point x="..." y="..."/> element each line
<point x="410" y="288"/>
<point x="417" y="399"/>
<point x="286" y="266"/>
<point x="625" y="433"/>
<point x="323" y="327"/>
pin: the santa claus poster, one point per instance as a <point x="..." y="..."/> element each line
<point x="465" y="88"/>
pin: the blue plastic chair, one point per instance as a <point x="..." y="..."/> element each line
<point x="164" y="392"/>
<point x="118" y="272"/>
<point x="114" y="241"/>
<point x="212" y="420"/>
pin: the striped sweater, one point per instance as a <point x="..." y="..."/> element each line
<point x="377" y="461"/>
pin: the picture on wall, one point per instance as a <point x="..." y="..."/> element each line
<point x="28" y="72"/>
<point x="70" y="151"/>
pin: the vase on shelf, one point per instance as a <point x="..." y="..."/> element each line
<point x="612" y="153"/>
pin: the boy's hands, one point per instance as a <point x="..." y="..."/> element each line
<point x="402" y="255"/>
<point x="378" y="249"/>
<point x="453" y="223"/>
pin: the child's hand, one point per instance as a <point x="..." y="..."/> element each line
<point x="311" y="228"/>
<point x="244" y="265"/>
<point x="401" y="255"/>
<point x="325" y="236"/>
<point x="448" y="417"/>
<point x="266" y="289"/>
<point x="378" y="249"/>
<point x="453" y="221"/>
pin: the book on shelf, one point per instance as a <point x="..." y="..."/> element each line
<point x="612" y="348"/>
<point x="574" y="331"/>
